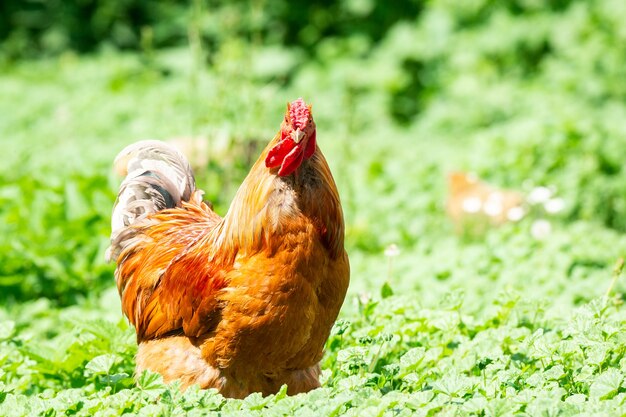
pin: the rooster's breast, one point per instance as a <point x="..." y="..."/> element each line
<point x="279" y="307"/>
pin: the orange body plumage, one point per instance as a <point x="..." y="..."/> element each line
<point x="243" y="303"/>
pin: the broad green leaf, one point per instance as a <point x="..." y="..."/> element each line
<point x="151" y="384"/>
<point x="101" y="364"/>
<point x="411" y="359"/>
<point x="606" y="384"/>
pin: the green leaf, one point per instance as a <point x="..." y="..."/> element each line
<point x="606" y="384"/>
<point x="452" y="384"/>
<point x="115" y="378"/>
<point x="255" y="401"/>
<point x="101" y="364"/>
<point x="386" y="291"/>
<point x="410" y="360"/>
<point x="151" y="384"/>
<point x="555" y="373"/>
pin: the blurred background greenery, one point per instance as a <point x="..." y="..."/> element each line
<point x="523" y="92"/>
<point x="36" y="28"/>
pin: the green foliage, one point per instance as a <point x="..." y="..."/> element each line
<point x="524" y="93"/>
<point x="30" y="29"/>
<point x="55" y="236"/>
<point x="393" y="356"/>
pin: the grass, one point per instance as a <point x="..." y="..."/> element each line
<point x="495" y="325"/>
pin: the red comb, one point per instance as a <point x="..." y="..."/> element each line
<point x="299" y="113"/>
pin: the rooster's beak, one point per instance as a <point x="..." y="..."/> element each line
<point x="297" y="135"/>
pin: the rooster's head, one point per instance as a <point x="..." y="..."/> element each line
<point x="297" y="139"/>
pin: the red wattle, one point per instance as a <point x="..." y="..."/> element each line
<point x="277" y="154"/>
<point x="288" y="155"/>
<point x="292" y="161"/>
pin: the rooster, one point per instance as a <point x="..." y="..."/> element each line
<point x="243" y="303"/>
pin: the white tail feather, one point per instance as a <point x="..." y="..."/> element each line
<point x="158" y="176"/>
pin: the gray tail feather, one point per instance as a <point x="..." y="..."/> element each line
<point x="158" y="176"/>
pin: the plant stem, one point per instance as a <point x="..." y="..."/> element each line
<point x="617" y="271"/>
